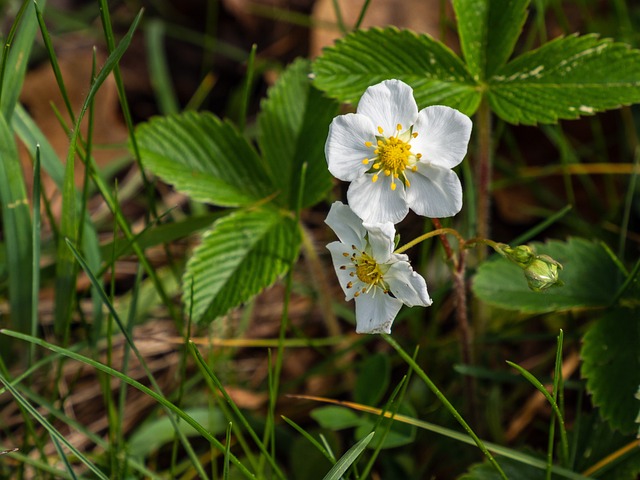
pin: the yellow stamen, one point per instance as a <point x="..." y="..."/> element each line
<point x="399" y="127"/>
<point x="350" y="284"/>
<point x="414" y="169"/>
<point x="393" y="186"/>
<point x="418" y="156"/>
<point x="387" y="172"/>
<point x="365" y="161"/>
<point x="368" y="144"/>
<point x="345" y="254"/>
<point x="374" y="179"/>
<point x="414" y="134"/>
<point x="376" y="165"/>
<point x="380" y="130"/>
<point x="357" y="294"/>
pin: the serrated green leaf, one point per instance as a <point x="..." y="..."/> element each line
<point x="488" y="31"/>
<point x="564" y="79"/>
<point x="239" y="256"/>
<point x="293" y="126"/>
<point x="611" y="365"/>
<point x="203" y="157"/>
<point x="357" y="61"/>
<point x="590" y="279"/>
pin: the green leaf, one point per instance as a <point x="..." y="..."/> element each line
<point x="399" y="433"/>
<point x="203" y="157"/>
<point x="590" y="279"/>
<point x="334" y="417"/>
<point x="611" y="365"/>
<point x="239" y="256"/>
<point x="512" y="468"/>
<point x="596" y="441"/>
<point x="373" y="379"/>
<point x="566" y="78"/>
<point x="16" y="223"/>
<point x="152" y="435"/>
<point x="488" y="31"/>
<point x="367" y="57"/>
<point x="293" y="127"/>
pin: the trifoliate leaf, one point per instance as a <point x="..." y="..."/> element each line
<point x="488" y="32"/>
<point x="564" y="79"/>
<point x="239" y="256"/>
<point x="367" y="57"/>
<point x="611" y="365"/>
<point x="205" y="158"/>
<point x="590" y="279"/>
<point x="293" y="127"/>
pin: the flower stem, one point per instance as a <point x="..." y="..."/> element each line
<point x="484" y="169"/>
<point x="422" y="238"/>
<point x="447" y="404"/>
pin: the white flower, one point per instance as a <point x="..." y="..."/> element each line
<point x="397" y="158"/>
<point x="368" y="270"/>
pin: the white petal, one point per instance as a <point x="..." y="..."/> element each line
<point x="376" y="311"/>
<point x="435" y="192"/>
<point x="407" y="286"/>
<point x="382" y="240"/>
<point x="376" y="202"/>
<point x="443" y="136"/>
<point x="346" y="224"/>
<point x="337" y="250"/>
<point x="345" y="149"/>
<point x="388" y="104"/>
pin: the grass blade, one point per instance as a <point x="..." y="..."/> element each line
<point x="206" y="370"/>
<point x="135" y="384"/>
<point x="159" y="70"/>
<point x="554" y="406"/>
<point x="16" y="222"/>
<point x="14" y="61"/>
<point x="57" y="436"/>
<point x="436" y="391"/>
<point x="35" y="248"/>
<point x="348" y="458"/>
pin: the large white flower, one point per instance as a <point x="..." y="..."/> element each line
<point x="397" y="158"/>
<point x="368" y="270"/>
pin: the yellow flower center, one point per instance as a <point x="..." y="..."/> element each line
<point x="392" y="155"/>
<point x="367" y="269"/>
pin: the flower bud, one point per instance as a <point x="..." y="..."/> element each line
<point x="522" y="255"/>
<point x="542" y="273"/>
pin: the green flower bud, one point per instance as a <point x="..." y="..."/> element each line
<point x="542" y="273"/>
<point x="522" y="255"/>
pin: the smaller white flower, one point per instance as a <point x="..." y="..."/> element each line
<point x="368" y="270"/>
<point x="398" y="158"/>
